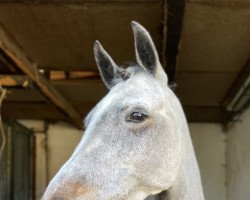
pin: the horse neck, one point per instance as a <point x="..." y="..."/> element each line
<point x="188" y="183"/>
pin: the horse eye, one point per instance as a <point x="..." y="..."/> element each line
<point x="138" y="117"/>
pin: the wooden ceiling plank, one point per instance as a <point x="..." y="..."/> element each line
<point x="16" y="53"/>
<point x="57" y="75"/>
<point x="83" y="74"/>
<point x="19" y="95"/>
<point x="40" y="110"/>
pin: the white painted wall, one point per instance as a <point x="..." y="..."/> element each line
<point x="210" y="147"/>
<point x="62" y="140"/>
<point x="238" y="159"/>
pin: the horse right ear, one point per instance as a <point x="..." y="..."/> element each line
<point x="146" y="53"/>
<point x="107" y="67"/>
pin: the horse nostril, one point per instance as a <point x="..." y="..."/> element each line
<point x="69" y="191"/>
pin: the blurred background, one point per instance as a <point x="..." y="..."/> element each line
<point x="49" y="82"/>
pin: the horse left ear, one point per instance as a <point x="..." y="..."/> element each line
<point x="146" y="53"/>
<point x="107" y="67"/>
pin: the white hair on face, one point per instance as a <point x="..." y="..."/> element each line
<point x="136" y="141"/>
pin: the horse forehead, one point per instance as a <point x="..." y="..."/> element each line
<point x="140" y="89"/>
<point x="138" y="86"/>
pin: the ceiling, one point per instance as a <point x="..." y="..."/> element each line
<point x="212" y="38"/>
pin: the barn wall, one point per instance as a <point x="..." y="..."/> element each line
<point x="238" y="159"/>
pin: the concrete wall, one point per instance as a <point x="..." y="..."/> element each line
<point x="238" y="159"/>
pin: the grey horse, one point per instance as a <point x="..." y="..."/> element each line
<point x="136" y="141"/>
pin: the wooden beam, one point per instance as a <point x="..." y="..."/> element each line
<point x="175" y="15"/>
<point x="5" y="62"/>
<point x="31" y="110"/>
<point x="237" y="99"/>
<point x="56" y="75"/>
<point x="15" y="81"/>
<point x="203" y="113"/>
<point x="83" y="74"/>
<point x="240" y="82"/>
<point x="20" y="95"/>
<point x="17" y="54"/>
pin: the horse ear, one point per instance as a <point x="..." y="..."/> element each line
<point x="106" y="65"/>
<point x="146" y="53"/>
